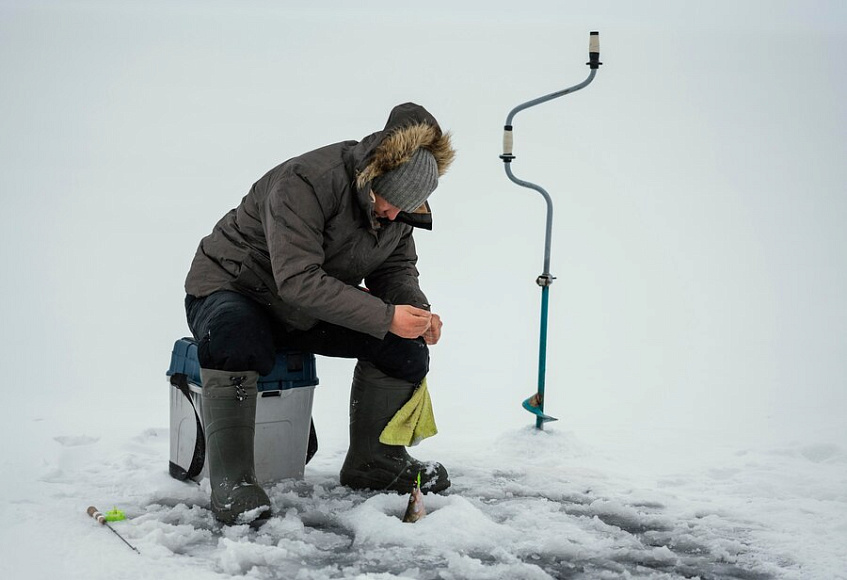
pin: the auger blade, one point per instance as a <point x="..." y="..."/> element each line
<point x="534" y="406"/>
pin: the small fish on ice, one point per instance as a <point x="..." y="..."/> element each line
<point x="415" y="510"/>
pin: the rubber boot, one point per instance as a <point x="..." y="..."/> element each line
<point x="229" y="418"/>
<point x="374" y="399"/>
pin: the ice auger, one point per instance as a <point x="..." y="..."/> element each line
<point x="535" y="403"/>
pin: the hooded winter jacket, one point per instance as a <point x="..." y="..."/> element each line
<point x="305" y="237"/>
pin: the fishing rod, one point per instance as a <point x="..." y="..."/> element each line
<point x="97" y="515"/>
<point x="535" y="403"/>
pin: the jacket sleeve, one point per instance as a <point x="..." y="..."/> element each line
<point x="294" y="228"/>
<point x="396" y="280"/>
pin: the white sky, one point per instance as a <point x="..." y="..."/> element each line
<point x="699" y="183"/>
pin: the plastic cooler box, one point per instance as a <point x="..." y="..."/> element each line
<point x="283" y="415"/>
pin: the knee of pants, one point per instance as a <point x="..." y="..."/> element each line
<point x="234" y="335"/>
<point x="227" y="353"/>
<point x="403" y="358"/>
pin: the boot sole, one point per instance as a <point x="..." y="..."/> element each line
<point x="232" y="517"/>
<point x="231" y="512"/>
<point x="362" y="481"/>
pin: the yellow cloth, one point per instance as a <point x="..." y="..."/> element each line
<point x="413" y="423"/>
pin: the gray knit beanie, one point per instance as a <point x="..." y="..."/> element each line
<point x="409" y="185"/>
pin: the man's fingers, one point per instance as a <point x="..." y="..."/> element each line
<point x="412" y="322"/>
<point x="414" y="311"/>
<point x="433" y="333"/>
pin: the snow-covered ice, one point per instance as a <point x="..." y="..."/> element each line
<point x="528" y="505"/>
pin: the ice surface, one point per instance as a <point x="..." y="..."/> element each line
<point x="533" y="505"/>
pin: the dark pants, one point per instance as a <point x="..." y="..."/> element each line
<point x="235" y="333"/>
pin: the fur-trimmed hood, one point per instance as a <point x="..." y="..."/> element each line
<point x="409" y="127"/>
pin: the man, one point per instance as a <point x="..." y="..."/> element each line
<point x="284" y="268"/>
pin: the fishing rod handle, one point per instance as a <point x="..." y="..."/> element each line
<point x="95" y="513"/>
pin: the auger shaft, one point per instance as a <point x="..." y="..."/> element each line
<point x="535" y="404"/>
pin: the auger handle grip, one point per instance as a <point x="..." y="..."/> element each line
<point x="594" y="50"/>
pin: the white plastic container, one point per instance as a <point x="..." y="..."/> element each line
<point x="283" y="416"/>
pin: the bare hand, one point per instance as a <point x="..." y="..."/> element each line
<point x="409" y="322"/>
<point x="433" y="334"/>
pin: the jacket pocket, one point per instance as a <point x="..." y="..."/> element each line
<point x="252" y="282"/>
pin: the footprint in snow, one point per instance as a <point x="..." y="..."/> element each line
<point x="75" y="440"/>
